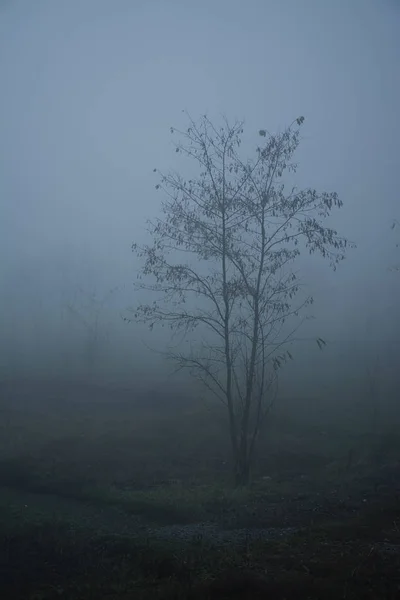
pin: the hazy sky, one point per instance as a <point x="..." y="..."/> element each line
<point x="89" y="89"/>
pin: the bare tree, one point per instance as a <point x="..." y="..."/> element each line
<point x="220" y="258"/>
<point x="89" y="310"/>
<point x="373" y="390"/>
<point x="394" y="225"/>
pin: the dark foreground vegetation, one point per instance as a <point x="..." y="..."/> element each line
<point x="104" y="495"/>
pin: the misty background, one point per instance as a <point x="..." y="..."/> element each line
<point x="88" y="92"/>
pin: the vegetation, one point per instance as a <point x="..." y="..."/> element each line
<point x="394" y="225"/>
<point x="84" y="485"/>
<point x="220" y="260"/>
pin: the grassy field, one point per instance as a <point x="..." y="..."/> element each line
<point x="106" y="495"/>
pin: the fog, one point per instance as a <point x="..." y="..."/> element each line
<point x="89" y="91"/>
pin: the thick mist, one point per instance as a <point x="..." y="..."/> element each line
<point x="89" y="91"/>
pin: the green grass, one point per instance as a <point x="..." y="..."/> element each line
<point x="178" y="503"/>
<point x="71" y="476"/>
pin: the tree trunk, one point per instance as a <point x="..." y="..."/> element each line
<point x="242" y="470"/>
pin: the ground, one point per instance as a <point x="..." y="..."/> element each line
<point x="107" y="495"/>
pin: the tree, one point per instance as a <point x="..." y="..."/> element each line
<point x="89" y="310"/>
<point x="220" y="259"/>
<point x="394" y="225"/>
